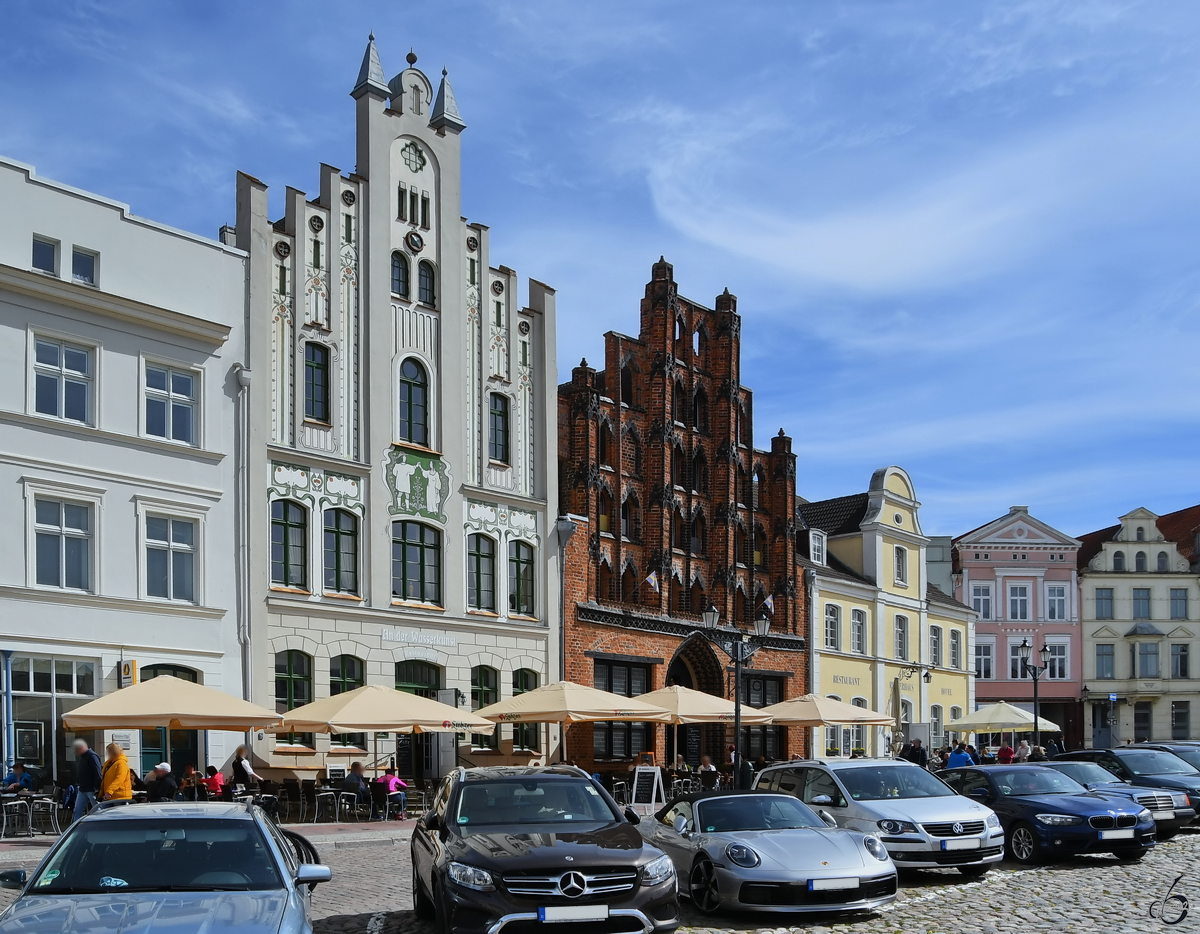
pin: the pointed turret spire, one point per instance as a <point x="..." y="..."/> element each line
<point x="370" y="75"/>
<point x="445" y="108"/>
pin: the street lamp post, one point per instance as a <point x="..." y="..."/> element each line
<point x="1025" y="651"/>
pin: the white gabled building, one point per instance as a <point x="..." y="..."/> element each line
<point x="403" y="439"/>
<point x="123" y="342"/>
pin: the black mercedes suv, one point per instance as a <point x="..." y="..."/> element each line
<point x="504" y="850"/>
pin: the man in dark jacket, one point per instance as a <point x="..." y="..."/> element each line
<point x="87" y="778"/>
<point x="356" y="783"/>
<point x="916" y="753"/>
<point x="161" y="785"/>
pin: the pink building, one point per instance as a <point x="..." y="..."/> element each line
<point x="1019" y="574"/>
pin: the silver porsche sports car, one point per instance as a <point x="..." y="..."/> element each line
<point x="766" y="851"/>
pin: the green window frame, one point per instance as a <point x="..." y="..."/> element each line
<point x="520" y="578"/>
<point x="498" y="409"/>
<point x="341" y="551"/>
<point x="346" y="673"/>
<point x="481" y="573"/>
<point x="484" y="691"/>
<point x="293" y="688"/>
<point x="414" y="403"/>
<point x="316" y="382"/>
<point x="525" y="735"/>
<point x="416" y="562"/>
<point x="421" y="678"/>
<point x="289" y="544"/>
<point x="426" y="283"/>
<point x="400" y="271"/>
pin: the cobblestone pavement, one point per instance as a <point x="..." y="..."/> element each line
<point x="371" y="894"/>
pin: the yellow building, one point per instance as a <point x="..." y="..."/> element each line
<point x="882" y="636"/>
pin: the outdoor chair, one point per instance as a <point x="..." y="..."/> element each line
<point x="16" y="818"/>
<point x="291" y="797"/>
<point x="47" y="809"/>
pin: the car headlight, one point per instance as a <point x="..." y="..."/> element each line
<point x="1144" y="815"/>
<point x="875" y="847"/>
<point x="472" y="877"/>
<point x="658" y="870"/>
<point x="1181" y="801"/>
<point x="897" y="826"/>
<point x="993" y="821"/>
<point x="741" y="855"/>
<point x="1059" y="820"/>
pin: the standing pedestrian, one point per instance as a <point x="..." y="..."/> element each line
<point x="87" y="778"/>
<point x="1004" y="755"/>
<point x="960" y="758"/>
<point x="1037" y="754"/>
<point x="974" y="754"/>
<point x="1053" y="749"/>
<point x="242" y="770"/>
<point x="916" y="753"/>
<point x="116" y="782"/>
<point x="1023" y="751"/>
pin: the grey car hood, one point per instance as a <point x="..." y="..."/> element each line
<point x="804" y="848"/>
<point x="145" y="912"/>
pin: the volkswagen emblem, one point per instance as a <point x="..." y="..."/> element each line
<point x="572" y="884"/>
<point x="957" y="827"/>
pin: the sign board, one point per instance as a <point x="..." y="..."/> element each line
<point x="128" y="674"/>
<point x="1112" y="698"/>
<point x="648" y="792"/>
<point x="693" y="744"/>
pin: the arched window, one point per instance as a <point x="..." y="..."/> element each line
<point x="633" y="454"/>
<point x="1139" y="561"/>
<point x="739" y="605"/>
<point x="606" y="511"/>
<point x="677" y="601"/>
<point x="760" y="547"/>
<point x="419" y="678"/>
<point x="744" y="427"/>
<point x="901" y="565"/>
<point x="481" y="573"/>
<point x="629" y="585"/>
<point x="741" y="546"/>
<point x="678" y="467"/>
<point x="426" y="283"/>
<point x="680" y="335"/>
<point x="679" y="403"/>
<point x="346" y="674"/>
<point x="604" y="581"/>
<point x="758" y="491"/>
<point x="1118" y="561"/>
<point x="700" y="410"/>
<point x="400" y="274"/>
<point x="293" y="688"/>
<point x="679" y="531"/>
<point x="414" y="403"/>
<point x="697" y="344"/>
<point x="416" y="562"/>
<point x="1162" y="561"/>
<point x="698" y="599"/>
<point x="341" y="551"/>
<point x="604" y="444"/>
<point x="520" y="578"/>
<point x="700" y="474"/>
<point x="1141" y="533"/>
<point x="699" y="536"/>
<point x="833" y="626"/>
<point x="484" y="692"/>
<point x="744" y="491"/>
<point x="631" y="518"/>
<point x="289" y="544"/>
<point x="525" y="735"/>
<point x="316" y="382"/>
<point x="173" y="671"/>
<point x="627" y="385"/>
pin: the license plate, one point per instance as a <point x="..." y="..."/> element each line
<point x="575" y="913"/>
<point x="969" y="843"/>
<point x="830" y="885"/>
<point x="1123" y="834"/>
<point x="1163" y="815"/>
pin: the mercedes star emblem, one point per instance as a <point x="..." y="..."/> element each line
<point x="957" y="827"/>
<point x="572" y="884"/>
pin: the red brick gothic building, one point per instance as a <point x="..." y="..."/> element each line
<point x="659" y="471"/>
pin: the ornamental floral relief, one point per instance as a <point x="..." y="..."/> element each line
<point x="503" y="522"/>
<point x="318" y="488"/>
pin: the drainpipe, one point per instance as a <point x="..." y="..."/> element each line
<point x="242" y="513"/>
<point x="10" y="738"/>
<point x="564" y="528"/>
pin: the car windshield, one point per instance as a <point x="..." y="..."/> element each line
<point x="531" y="801"/>
<point x="1026" y="781"/>
<point x="876" y="783"/>
<point x="1189" y="754"/>
<point x="754" y="812"/>
<point x="1085" y="772"/>
<point x="1150" y="762"/>
<point x="161" y="855"/>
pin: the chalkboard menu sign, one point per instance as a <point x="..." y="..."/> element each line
<point x="648" y="791"/>
<point x="404" y="755"/>
<point x="692" y="754"/>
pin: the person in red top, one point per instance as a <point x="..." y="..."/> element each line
<point x="395" y="785"/>
<point x="1004" y="755"/>
<point x="213" y="780"/>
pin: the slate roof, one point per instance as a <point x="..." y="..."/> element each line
<point x="834" y="569"/>
<point x="935" y="594"/>
<point x="838" y="516"/>
<point x="1179" y="527"/>
<point x="1144" y="629"/>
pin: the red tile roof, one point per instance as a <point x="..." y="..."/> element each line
<point x="1179" y="527"/>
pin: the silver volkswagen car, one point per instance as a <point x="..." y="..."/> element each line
<point x="166" y="867"/>
<point x="921" y="820"/>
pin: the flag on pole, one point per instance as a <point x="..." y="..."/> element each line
<point x="769" y="604"/>
<point x="652" y="580"/>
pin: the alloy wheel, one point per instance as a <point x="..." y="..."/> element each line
<point x="703" y="887"/>
<point x="1023" y="845"/>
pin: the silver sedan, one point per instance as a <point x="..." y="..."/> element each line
<point x="764" y="851"/>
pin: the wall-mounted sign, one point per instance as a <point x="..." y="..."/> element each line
<point x="128" y="674"/>
<point x="416" y="637"/>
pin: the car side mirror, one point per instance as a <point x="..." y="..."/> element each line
<point x="822" y="799"/>
<point x="680" y="823"/>
<point x="981" y="793"/>
<point x="13" y="879"/>
<point x="632" y="816"/>
<point x="429" y="820"/>
<point x="312" y="873"/>
<point x="827" y="817"/>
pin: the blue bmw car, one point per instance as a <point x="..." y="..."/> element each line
<point x="1046" y="814"/>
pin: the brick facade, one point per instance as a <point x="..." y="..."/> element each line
<point x="658" y="468"/>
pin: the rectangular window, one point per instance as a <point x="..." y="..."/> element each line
<point x="498" y="435"/>
<point x="617" y="740"/>
<point x="935" y="646"/>
<point x="1181" y="719"/>
<point x="425" y="211"/>
<point x="524" y="353"/>
<point x="281" y="283"/>
<point x="63" y="544"/>
<point x="1147" y="660"/>
<point x="833" y="627"/>
<point x="62" y="380"/>
<point x="481" y="573"/>
<point x="414" y="206"/>
<point x="901" y="559"/>
<point x="402" y="202"/>
<point x="45" y="256"/>
<point x="1056" y="664"/>
<point x="1104" y="603"/>
<point x="1179" y="661"/>
<point x="341" y="551"/>
<point x="1056" y="602"/>
<point x="170" y="403"/>
<point x="472" y="271"/>
<point x="1016" y="667"/>
<point x="316" y="254"/>
<point x="816" y="546"/>
<point x="1141" y="602"/>
<point x="171" y="558"/>
<point x="955" y="649"/>
<point x="1018" y="601"/>
<point x="316" y="382"/>
<point x="416" y="562"/>
<point x="484" y="692"/>
<point x="1104" y="660"/>
<point x="902" y="638"/>
<point x="289" y="544"/>
<point x="83" y="266"/>
<point x="983" y="660"/>
<point x="858" y="632"/>
<point x="498" y="314"/>
<point x="981" y="597"/>
<point x="1179" y="603"/>
<point x="347" y="228"/>
<point x="520" y="578"/>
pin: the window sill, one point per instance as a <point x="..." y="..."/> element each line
<point x="490" y="614"/>
<point x="500" y="464"/>
<point x="347" y="751"/>
<point x="317" y="423"/>
<point x="417" y="605"/>
<point x="523" y="618"/>
<point x="608" y="467"/>
<point x="80" y="428"/>
<point x="485" y="751"/>
<point x="126" y="604"/>
<point x="352" y="598"/>
<point x="608" y="535"/>
<point x="413" y="446"/>
<point x="296" y="750"/>
<point x="295" y="590"/>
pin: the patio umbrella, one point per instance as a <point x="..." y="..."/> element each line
<point x="689" y="706"/>
<point x="814" y="710"/>
<point x="566" y="702"/>
<point x="172" y="703"/>
<point x="375" y="708"/>
<point x="995" y="718"/>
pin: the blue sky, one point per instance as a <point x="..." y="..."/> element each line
<point x="964" y="237"/>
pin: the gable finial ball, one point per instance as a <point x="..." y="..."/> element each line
<point x="411" y="57"/>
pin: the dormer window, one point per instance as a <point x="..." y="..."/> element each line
<point x="1141" y="534"/>
<point x="816" y="546"/>
<point x="1118" y="561"/>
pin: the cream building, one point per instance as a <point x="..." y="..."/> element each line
<point x="882" y="635"/>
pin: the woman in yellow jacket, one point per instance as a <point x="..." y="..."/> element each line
<point x="115" y="781"/>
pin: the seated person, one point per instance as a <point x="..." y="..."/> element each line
<point x="161" y="785"/>
<point x="189" y="784"/>
<point x="395" y="785"/>
<point x="213" y="780"/>
<point x="356" y="782"/>
<point x="18" y="779"/>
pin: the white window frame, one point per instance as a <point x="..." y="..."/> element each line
<point x="816" y="546"/>
<point x="1011" y="589"/>
<point x="979" y="594"/>
<point x="32" y="335"/>
<point x="145" y="506"/>
<point x="1052" y="601"/>
<point x="93" y="497"/>
<point x="900" y="564"/>
<point x="899" y="630"/>
<point x="95" y="255"/>
<point x="197" y="375"/>
<point x="956" y="649"/>
<point x="936" y="634"/>
<point x="833" y="615"/>
<point x="990" y="654"/>
<point x="937" y="725"/>
<point x="1022" y="671"/>
<point x="1065" y="645"/>
<point x="858" y="631"/>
